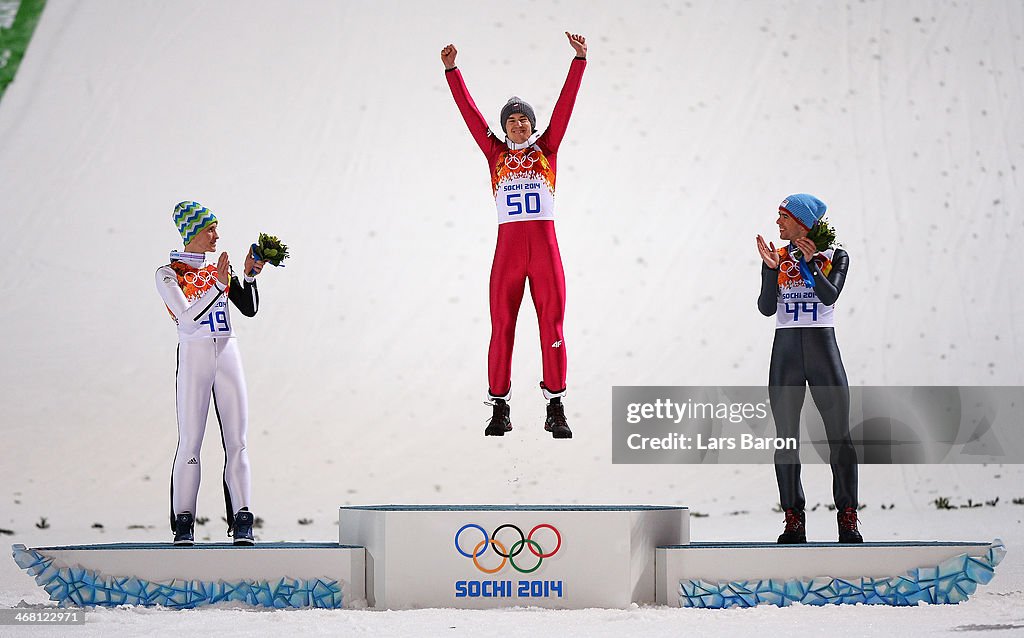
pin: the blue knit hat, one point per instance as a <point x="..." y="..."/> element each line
<point x="805" y="209"/>
<point x="192" y="217"/>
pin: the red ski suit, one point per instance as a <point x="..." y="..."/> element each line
<point x="523" y="182"/>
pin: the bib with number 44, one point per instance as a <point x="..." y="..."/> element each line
<point x="799" y="306"/>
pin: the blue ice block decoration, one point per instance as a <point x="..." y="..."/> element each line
<point x="75" y="586"/>
<point x="950" y="582"/>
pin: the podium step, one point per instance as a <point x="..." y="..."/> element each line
<point x="720" y="575"/>
<point x="274" y="575"/>
<point x="486" y="556"/>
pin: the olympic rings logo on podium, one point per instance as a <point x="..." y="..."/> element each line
<point x="508" y="556"/>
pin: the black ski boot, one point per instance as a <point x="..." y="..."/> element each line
<point x="499" y="423"/>
<point x="555" y="423"/>
<point x="796" y="531"/>
<point x="242" y="528"/>
<point x="848" y="532"/>
<point x="184" y="526"/>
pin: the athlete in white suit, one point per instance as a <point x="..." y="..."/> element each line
<point x="209" y="365"/>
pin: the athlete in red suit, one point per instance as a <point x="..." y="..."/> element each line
<point x="522" y="168"/>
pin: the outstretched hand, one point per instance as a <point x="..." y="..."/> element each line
<point x="578" y="42"/>
<point x="448" y="56"/>
<point x="768" y="254"/>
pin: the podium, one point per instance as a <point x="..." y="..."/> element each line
<point x="489" y="556"/>
<point x="485" y="556"/>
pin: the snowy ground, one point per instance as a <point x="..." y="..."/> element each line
<point x="329" y="124"/>
<point x="997" y="606"/>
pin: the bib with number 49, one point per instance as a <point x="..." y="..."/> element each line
<point x="193" y="283"/>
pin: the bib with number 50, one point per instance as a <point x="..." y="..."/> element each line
<point x="524" y="186"/>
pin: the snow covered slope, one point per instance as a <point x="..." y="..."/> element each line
<point x="330" y="124"/>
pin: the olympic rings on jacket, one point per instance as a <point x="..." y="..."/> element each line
<point x="201" y="277"/>
<point x="514" y="160"/>
<point x="790" y="268"/>
<point x="508" y="555"/>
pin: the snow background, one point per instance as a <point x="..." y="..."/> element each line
<point x="330" y="124"/>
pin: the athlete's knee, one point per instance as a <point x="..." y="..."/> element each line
<point x="234" y="447"/>
<point x="786" y="427"/>
<point x="550" y="335"/>
<point x="189" y="447"/>
<point x="843" y="454"/>
<point x="237" y="464"/>
<point x="787" y="457"/>
<point x="503" y="329"/>
<point x="551" y="312"/>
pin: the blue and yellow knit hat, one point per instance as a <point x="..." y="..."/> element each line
<point x="805" y="209"/>
<point x="192" y="217"/>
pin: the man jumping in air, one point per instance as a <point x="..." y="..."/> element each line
<point x="522" y="168"/>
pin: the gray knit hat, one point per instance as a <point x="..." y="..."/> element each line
<point x="516" y="105"/>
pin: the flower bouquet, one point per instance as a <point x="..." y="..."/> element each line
<point x="270" y="249"/>
<point x="823" y="234"/>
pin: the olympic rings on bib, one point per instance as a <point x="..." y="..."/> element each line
<point x="790" y="268"/>
<point x="522" y="159"/>
<point x="203" y="278"/>
<point x="507" y="555"/>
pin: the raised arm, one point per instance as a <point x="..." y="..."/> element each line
<point x="552" y="137"/>
<point x="475" y="121"/>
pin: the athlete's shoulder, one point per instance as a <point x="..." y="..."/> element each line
<point x="176" y="266"/>
<point x="542" y="143"/>
<point x="165" y="276"/>
<point x="496" y="145"/>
